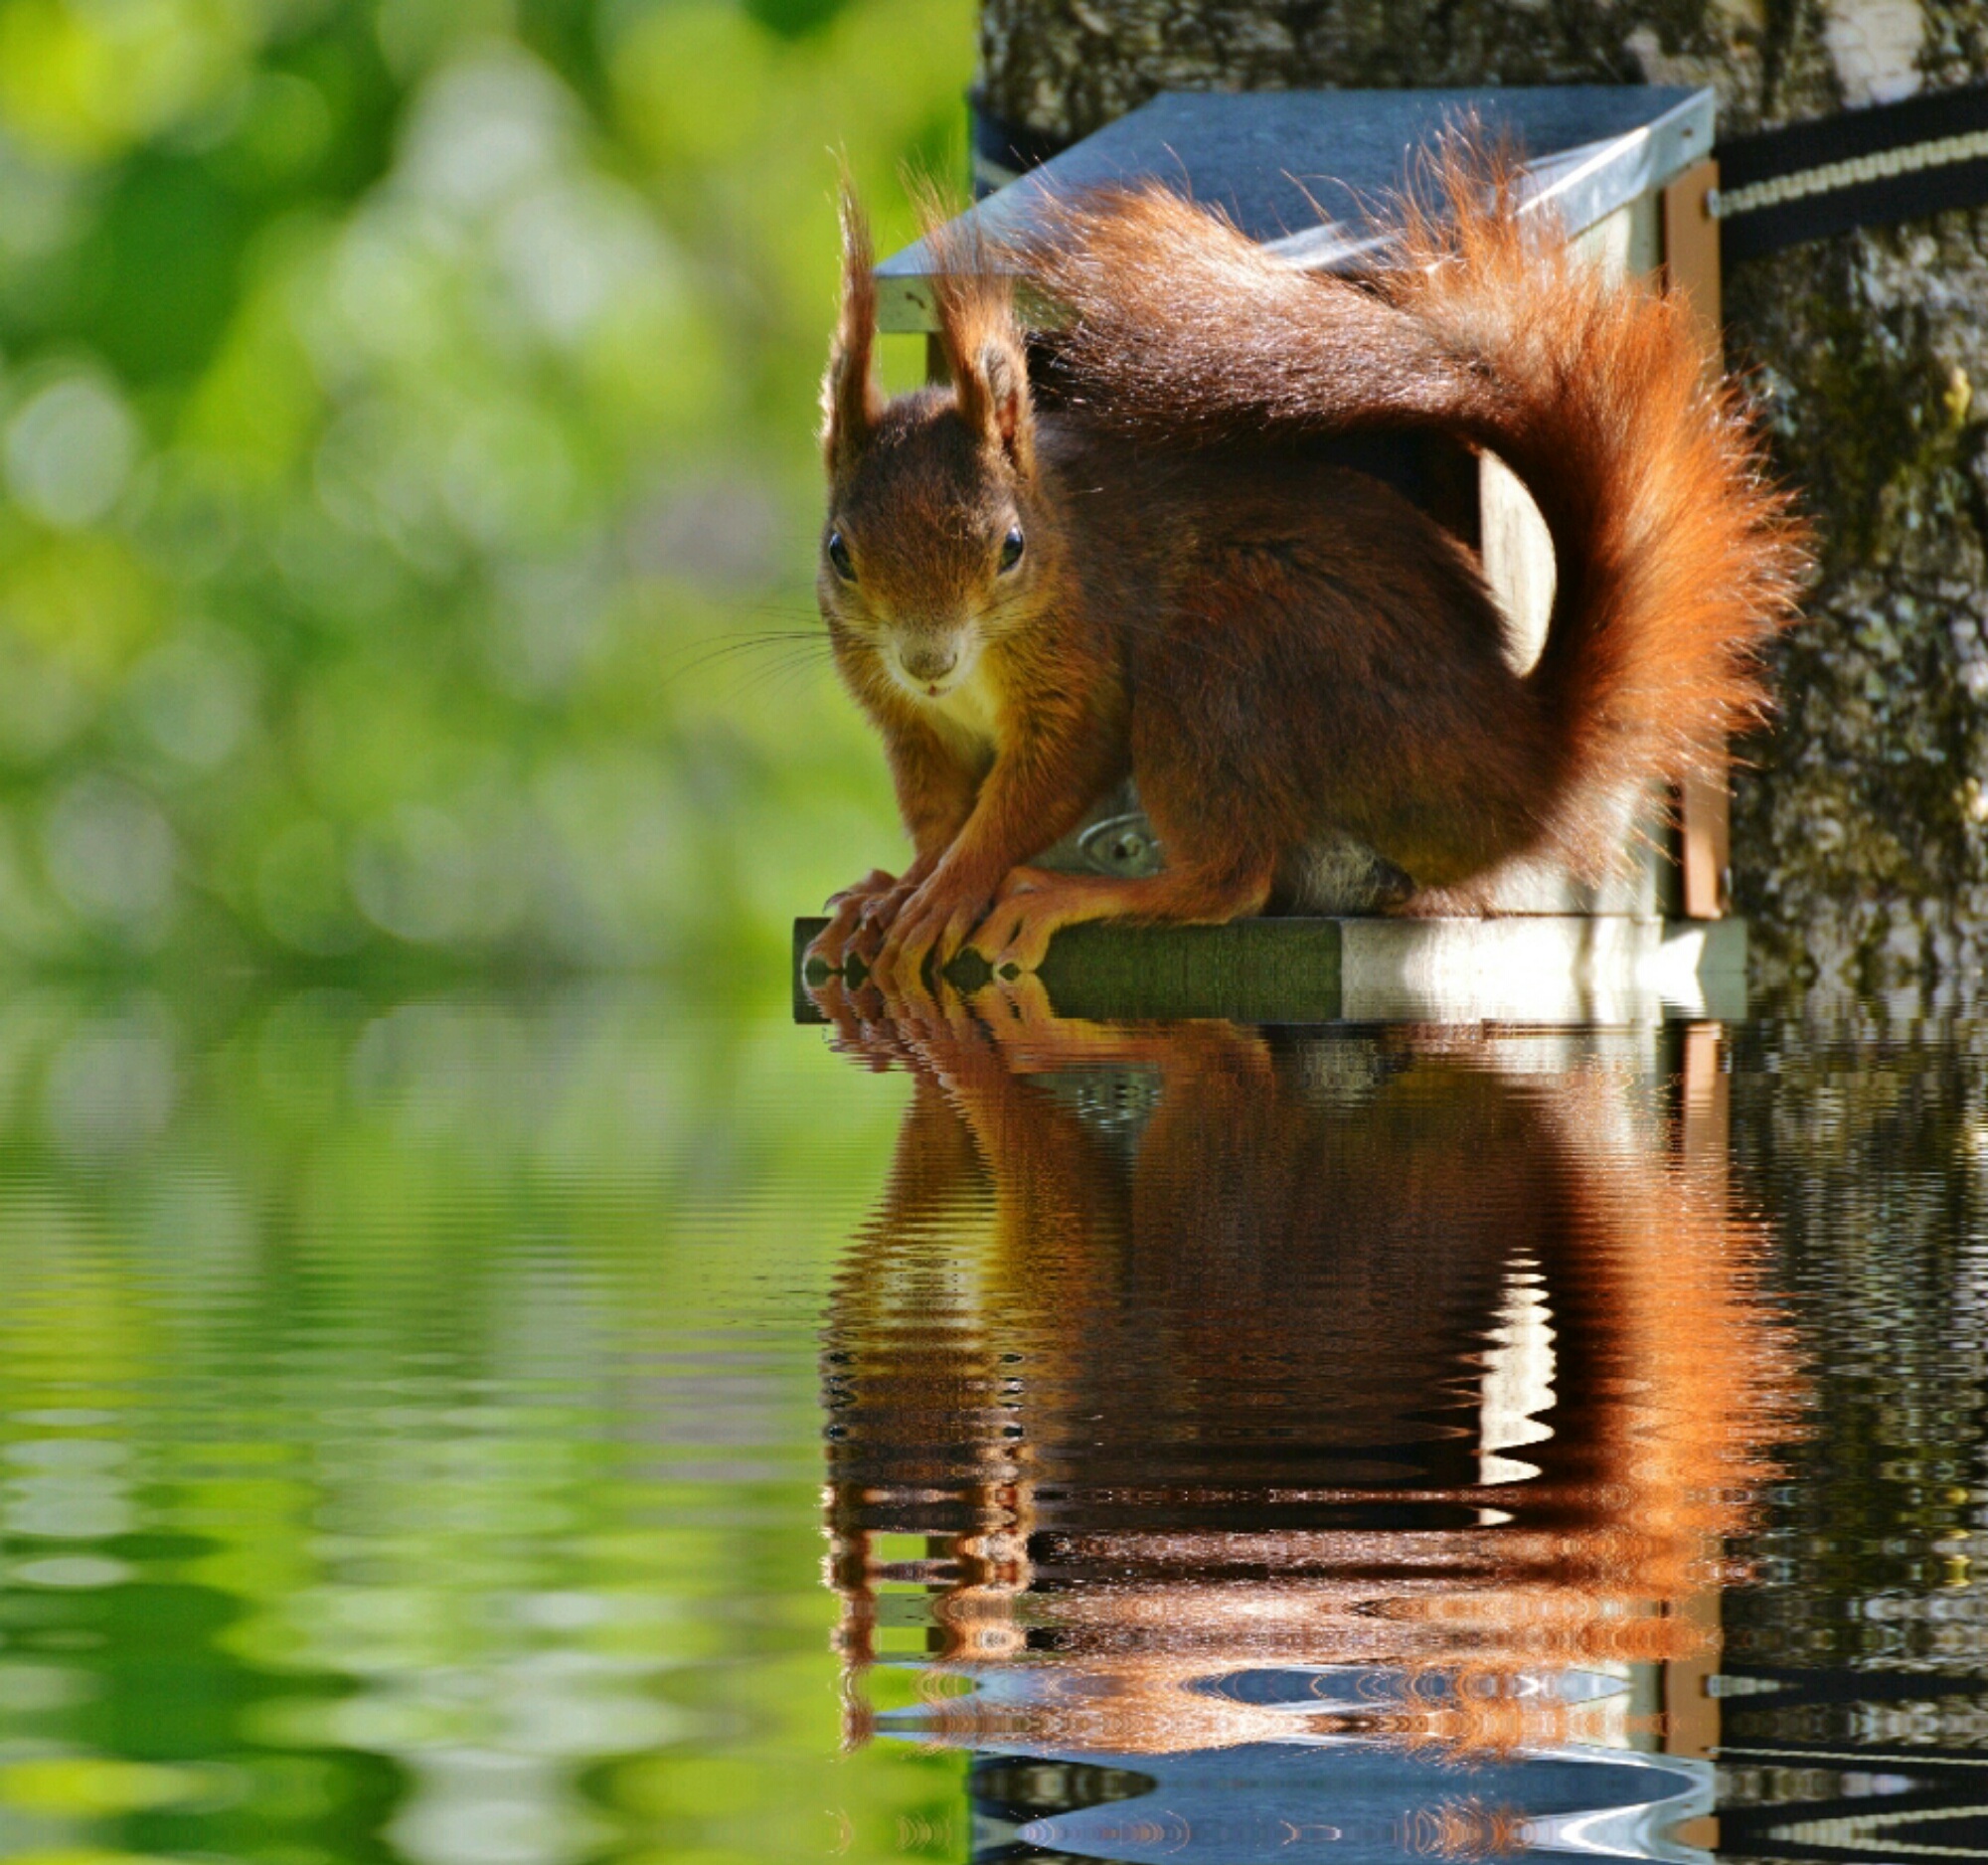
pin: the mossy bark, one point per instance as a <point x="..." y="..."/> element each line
<point x="1861" y="831"/>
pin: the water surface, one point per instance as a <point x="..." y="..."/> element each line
<point x="582" y="1427"/>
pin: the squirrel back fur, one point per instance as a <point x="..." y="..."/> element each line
<point x="1675" y="559"/>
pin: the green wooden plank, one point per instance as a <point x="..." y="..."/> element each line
<point x="1255" y="970"/>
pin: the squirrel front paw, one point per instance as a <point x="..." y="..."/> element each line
<point x="935" y="922"/>
<point x="847" y="912"/>
<point x="1033" y="906"/>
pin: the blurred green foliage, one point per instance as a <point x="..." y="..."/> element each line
<point x="406" y="415"/>
<point x="410" y="1433"/>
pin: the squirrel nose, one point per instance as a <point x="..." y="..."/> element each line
<point x="930" y="660"/>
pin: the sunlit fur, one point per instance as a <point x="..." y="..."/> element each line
<point x="1274" y="645"/>
<point x="1674" y="558"/>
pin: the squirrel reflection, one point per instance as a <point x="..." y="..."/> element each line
<point x="1196" y="1354"/>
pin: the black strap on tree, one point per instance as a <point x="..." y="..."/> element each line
<point x="1859" y="168"/>
<point x="1869" y="167"/>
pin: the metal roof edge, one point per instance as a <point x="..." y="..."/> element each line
<point x="1582" y="185"/>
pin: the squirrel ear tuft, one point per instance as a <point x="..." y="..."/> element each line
<point x="977" y="331"/>
<point x="1006" y="373"/>
<point x="992" y="380"/>
<point x="851" y="402"/>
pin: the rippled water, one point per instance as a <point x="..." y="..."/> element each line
<point x="500" y="1431"/>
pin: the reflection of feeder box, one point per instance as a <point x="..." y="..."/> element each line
<point x="1331" y="1798"/>
<point x="1626" y="170"/>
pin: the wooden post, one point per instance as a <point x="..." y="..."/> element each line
<point x="1690" y="1710"/>
<point x="1707" y="1108"/>
<point x="1691" y="266"/>
<point x="1517" y="559"/>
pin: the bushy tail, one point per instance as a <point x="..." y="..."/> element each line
<point x="1675" y="559"/>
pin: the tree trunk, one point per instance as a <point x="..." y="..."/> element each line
<point x="1860" y="834"/>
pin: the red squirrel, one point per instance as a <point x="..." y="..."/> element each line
<point x="1157" y="574"/>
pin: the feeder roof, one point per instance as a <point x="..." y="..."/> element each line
<point x="1310" y="172"/>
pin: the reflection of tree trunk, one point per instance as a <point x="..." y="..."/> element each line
<point x="1861" y="842"/>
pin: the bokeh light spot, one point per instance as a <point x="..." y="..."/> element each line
<point x="110" y="855"/>
<point x="70" y="449"/>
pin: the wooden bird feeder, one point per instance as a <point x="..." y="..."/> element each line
<point x="1625" y="171"/>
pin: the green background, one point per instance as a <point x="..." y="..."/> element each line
<point x="407" y="491"/>
<point x="407" y="424"/>
<point x="411" y="1435"/>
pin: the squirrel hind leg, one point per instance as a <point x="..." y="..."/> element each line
<point x="1034" y="905"/>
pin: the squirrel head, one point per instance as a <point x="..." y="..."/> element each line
<point x="938" y="539"/>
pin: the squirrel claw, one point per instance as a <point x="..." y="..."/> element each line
<point x="1022" y="927"/>
<point x="1027" y="943"/>
<point x="849" y="914"/>
<point x="932" y="924"/>
<point x="876" y="881"/>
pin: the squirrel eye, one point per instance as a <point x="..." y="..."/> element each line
<point x="838" y="555"/>
<point x="1011" y="548"/>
